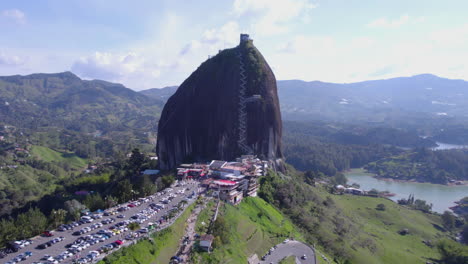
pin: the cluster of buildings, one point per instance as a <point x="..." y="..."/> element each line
<point x="228" y="180"/>
<point x="350" y="190"/>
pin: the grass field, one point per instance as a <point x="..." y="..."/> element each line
<point x="255" y="226"/>
<point x="383" y="226"/>
<point x="288" y="260"/>
<point x="204" y="217"/>
<point x="159" y="251"/>
<point x="50" y="155"/>
<point x="375" y="238"/>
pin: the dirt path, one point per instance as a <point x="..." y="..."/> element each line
<point x="188" y="240"/>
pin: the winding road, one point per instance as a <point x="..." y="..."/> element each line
<point x="291" y="248"/>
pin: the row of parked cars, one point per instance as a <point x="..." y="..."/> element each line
<point x="21" y="257"/>
<point x="50" y="243"/>
<point x="88" y="228"/>
<point x="141" y="217"/>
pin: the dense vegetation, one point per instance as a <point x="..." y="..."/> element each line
<point x="106" y="186"/>
<point x="65" y="101"/>
<point x="424" y="165"/>
<point x="310" y="146"/>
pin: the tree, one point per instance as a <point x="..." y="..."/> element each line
<point x="145" y="186"/>
<point x="94" y="202"/>
<point x="57" y="217"/>
<point x="133" y="226"/>
<point x="124" y="191"/>
<point x="136" y="161"/>
<point x="167" y="180"/>
<point x="73" y="207"/>
<point x="374" y="192"/>
<point x="221" y="230"/>
<point x="111" y="201"/>
<point x="452" y="252"/>
<point x="380" y="207"/>
<point x="31" y="223"/>
<point x="465" y="234"/>
<point x="339" y="178"/>
<point x="8" y="231"/>
<point x="448" y="220"/>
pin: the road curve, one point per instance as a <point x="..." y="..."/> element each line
<point x="291" y="248"/>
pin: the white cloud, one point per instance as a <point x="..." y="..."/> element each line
<point x="271" y="17"/>
<point x="383" y="22"/>
<point x="128" y="68"/>
<point x="11" y="60"/>
<point x="15" y="15"/>
<point x="227" y="34"/>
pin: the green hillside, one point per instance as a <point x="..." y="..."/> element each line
<point x="35" y="176"/>
<point x="50" y="155"/>
<point x="254" y="226"/>
<point x="350" y="227"/>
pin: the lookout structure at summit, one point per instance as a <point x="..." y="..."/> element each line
<point x="227" y="108"/>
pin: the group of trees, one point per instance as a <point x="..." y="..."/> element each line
<point x="452" y="252"/>
<point x="28" y="224"/>
<point x="120" y="182"/>
<point x="424" y="165"/>
<point x="313" y="148"/>
<point x="417" y="204"/>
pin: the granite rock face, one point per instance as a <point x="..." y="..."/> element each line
<point x="228" y="107"/>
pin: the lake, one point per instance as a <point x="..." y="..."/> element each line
<point x="441" y="196"/>
<point x="444" y="146"/>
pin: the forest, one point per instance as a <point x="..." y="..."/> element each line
<point x="424" y="165"/>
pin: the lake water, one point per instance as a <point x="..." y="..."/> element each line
<point x="443" y="146"/>
<point x="441" y="196"/>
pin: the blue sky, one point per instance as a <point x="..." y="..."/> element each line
<point x="146" y="43"/>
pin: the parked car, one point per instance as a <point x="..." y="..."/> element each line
<point x="47" y="234"/>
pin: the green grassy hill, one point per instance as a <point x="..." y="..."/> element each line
<point x="383" y="227"/>
<point x="50" y="155"/>
<point x="254" y="227"/>
<point x="38" y="175"/>
<point x="351" y="228"/>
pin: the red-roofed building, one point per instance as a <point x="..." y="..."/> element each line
<point x="228" y="191"/>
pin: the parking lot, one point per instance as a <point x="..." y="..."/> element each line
<point x="110" y="230"/>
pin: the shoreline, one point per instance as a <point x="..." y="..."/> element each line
<point x="362" y="171"/>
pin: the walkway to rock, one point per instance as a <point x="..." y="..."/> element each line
<point x="188" y="240"/>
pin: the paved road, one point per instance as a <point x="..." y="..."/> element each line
<point x="291" y="248"/>
<point x="58" y="248"/>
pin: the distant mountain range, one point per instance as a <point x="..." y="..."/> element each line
<point x="64" y="100"/>
<point x="426" y="102"/>
<point x="160" y="93"/>
<point x="371" y="101"/>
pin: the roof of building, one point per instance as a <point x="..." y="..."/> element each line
<point x="150" y="172"/>
<point x="225" y="182"/>
<point x="216" y="164"/>
<point x="233" y="167"/>
<point x="207" y="237"/>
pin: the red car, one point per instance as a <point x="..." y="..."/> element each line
<point x="119" y="242"/>
<point x="131" y="205"/>
<point x="47" y="234"/>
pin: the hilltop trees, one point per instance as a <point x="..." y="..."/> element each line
<point x="452" y="252"/>
<point x="448" y="220"/>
